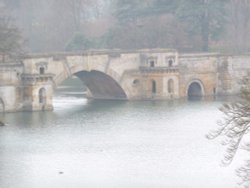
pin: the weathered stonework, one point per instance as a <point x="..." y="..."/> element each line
<point x="148" y="74"/>
<point x="32" y="85"/>
<point x="10" y="87"/>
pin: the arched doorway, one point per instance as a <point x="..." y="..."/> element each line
<point x="152" y="63"/>
<point x="154" y="90"/>
<point x="195" y="91"/>
<point x="170" y="63"/>
<point x="170" y="86"/>
<point x="41" y="70"/>
<point x="42" y="96"/>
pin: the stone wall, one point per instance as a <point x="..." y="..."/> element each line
<point x="200" y="68"/>
<point x="231" y="70"/>
<point x="11" y="91"/>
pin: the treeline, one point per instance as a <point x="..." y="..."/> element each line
<point x="186" y="25"/>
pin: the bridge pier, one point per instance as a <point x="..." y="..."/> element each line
<point x="38" y="92"/>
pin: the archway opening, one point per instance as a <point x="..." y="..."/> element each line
<point x="70" y="94"/>
<point x="195" y="91"/>
<point x="79" y="90"/>
<point x="170" y="63"/>
<point x="152" y="63"/>
<point x="41" y="70"/>
<point x="42" y="96"/>
<point x="154" y="90"/>
<point x="170" y="86"/>
<point x="101" y="85"/>
<point x="72" y="86"/>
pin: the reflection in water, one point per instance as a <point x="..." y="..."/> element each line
<point x="195" y="98"/>
<point x="113" y="144"/>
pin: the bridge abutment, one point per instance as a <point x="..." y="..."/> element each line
<point x="37" y="92"/>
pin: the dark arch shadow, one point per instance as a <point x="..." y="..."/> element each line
<point x="154" y="87"/>
<point x="101" y="85"/>
<point x="195" y="91"/>
<point x="2" y="106"/>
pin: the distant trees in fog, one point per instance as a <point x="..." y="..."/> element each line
<point x="183" y="24"/>
<point x="11" y="41"/>
<point x="187" y="25"/>
<point x="238" y="26"/>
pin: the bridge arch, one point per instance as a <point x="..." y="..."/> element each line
<point x="195" y="89"/>
<point x="101" y="79"/>
<point x="100" y="84"/>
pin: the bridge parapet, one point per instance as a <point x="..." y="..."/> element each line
<point x="174" y="69"/>
<point x="32" y="79"/>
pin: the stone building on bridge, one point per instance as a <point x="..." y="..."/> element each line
<point x="149" y="74"/>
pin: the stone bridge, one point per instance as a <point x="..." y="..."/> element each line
<point x="148" y="74"/>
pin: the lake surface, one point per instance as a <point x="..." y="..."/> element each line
<point x="114" y="144"/>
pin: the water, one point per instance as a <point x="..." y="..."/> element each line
<point x="114" y="144"/>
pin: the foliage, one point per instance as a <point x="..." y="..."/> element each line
<point x="11" y="41"/>
<point x="78" y="42"/>
<point x="148" y="32"/>
<point x="200" y="25"/>
<point x="165" y="6"/>
<point x="205" y="18"/>
<point x="238" y="26"/>
<point x="235" y="128"/>
<point x="202" y="20"/>
<point x="127" y="10"/>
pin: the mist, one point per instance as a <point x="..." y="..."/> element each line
<point x="185" y="25"/>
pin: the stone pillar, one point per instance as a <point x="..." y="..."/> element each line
<point x="224" y="85"/>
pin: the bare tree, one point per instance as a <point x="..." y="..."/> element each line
<point x="234" y="128"/>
